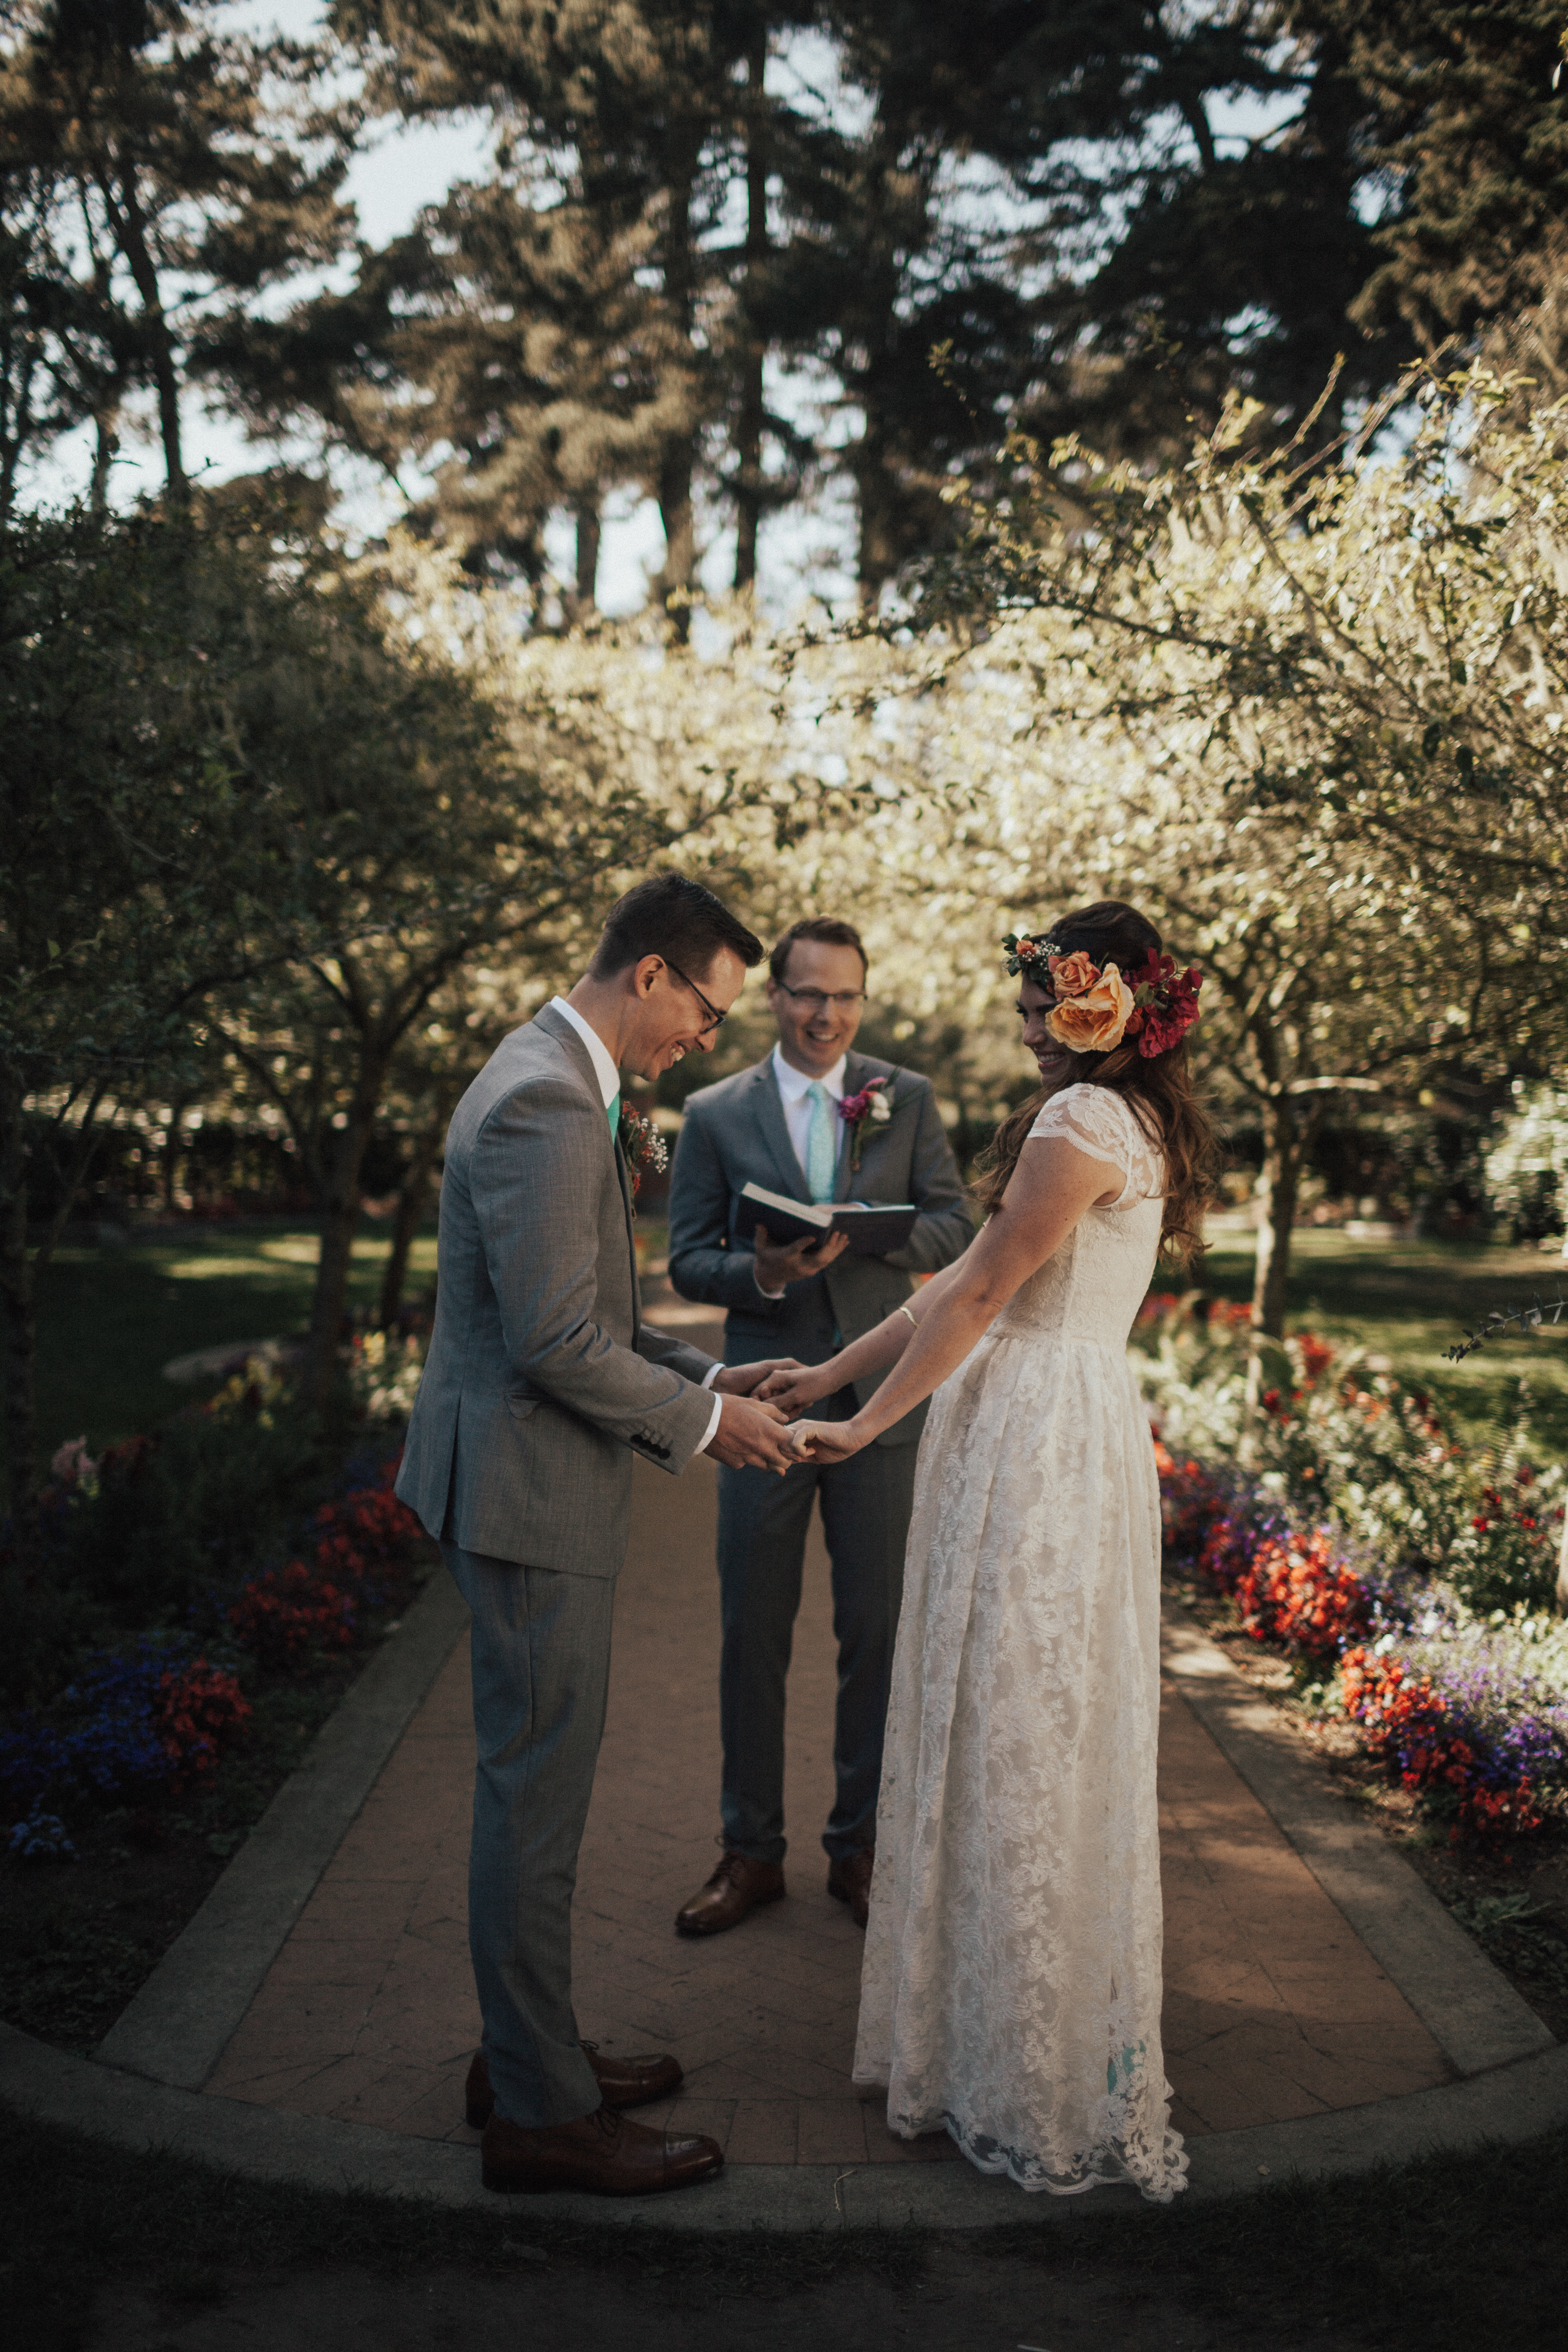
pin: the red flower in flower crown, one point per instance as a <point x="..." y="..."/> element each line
<point x="1166" y="1002"/>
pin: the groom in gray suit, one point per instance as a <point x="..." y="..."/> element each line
<point x="541" y="1383"/>
<point x="783" y="1125"/>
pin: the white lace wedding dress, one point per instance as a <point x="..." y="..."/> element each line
<point x="1011" y="1987"/>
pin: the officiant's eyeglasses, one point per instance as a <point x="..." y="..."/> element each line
<point x="716" y="1019"/>
<point x="844" y="1000"/>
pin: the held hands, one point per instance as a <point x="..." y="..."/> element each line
<point x="750" y="1436"/>
<point x="778" y="1264"/>
<point x="827" y="1441"/>
<point x="746" y="1380"/>
<point x="795" y="1388"/>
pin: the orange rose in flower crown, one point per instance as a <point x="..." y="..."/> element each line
<point x="1092" y="1018"/>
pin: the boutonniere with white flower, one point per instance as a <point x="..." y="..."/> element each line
<point x="643" y="1145"/>
<point x="870" y="1107"/>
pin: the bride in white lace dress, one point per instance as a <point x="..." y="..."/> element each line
<point x="1011" y="1991"/>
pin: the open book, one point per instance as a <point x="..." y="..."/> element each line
<point x="874" y="1227"/>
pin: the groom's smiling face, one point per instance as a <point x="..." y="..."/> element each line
<point x="675" y="1011"/>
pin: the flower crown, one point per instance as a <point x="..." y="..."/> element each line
<point x="1096" y="1008"/>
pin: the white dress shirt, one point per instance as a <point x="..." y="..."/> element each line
<point x="609" y="1079"/>
<point x="795" y="1093"/>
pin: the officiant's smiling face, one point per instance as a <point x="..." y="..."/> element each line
<point x="1055" y="1063"/>
<point x="819" y="1005"/>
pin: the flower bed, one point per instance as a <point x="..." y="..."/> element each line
<point x="156" y="1712"/>
<point x="1407" y="1581"/>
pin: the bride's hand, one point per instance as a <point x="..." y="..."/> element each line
<point x="825" y="1441"/>
<point x="793" y="1389"/>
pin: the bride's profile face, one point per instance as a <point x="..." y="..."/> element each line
<point x="1055" y="1063"/>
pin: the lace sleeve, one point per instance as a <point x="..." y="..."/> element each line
<point x="1097" y="1121"/>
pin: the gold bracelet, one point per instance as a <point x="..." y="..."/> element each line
<point x="908" y="1317"/>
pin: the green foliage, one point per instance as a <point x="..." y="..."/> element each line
<point x="193" y="1511"/>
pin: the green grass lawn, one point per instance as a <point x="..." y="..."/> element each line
<point x="110" y="1319"/>
<point x="1409" y="1301"/>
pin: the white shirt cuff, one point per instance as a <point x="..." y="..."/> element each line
<point x="718" y="1411"/>
<point x="766" y="1293"/>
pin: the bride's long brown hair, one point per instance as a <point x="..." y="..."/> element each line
<point x="1159" y="1089"/>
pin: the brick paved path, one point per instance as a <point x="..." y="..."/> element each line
<point x="1273" y="2008"/>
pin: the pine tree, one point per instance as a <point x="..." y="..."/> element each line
<point x="911" y="302"/>
<point x="1468" y="146"/>
<point x="154" y="185"/>
<point x="579" y="341"/>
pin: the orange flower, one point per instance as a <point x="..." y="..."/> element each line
<point x="1093" y="1022"/>
<point x="1072" y="975"/>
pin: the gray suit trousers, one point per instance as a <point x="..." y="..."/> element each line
<point x="541" y="1668"/>
<point x="763" y="1524"/>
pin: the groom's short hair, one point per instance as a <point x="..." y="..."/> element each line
<point x="823" y="927"/>
<point x="673" y="917"/>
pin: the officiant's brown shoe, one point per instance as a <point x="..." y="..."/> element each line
<point x="623" y="2083"/>
<point x="737" y="1887"/>
<point x="849" y="1880"/>
<point x="603" y="2154"/>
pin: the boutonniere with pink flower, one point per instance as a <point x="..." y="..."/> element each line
<point x="871" y="1106"/>
<point x="643" y="1145"/>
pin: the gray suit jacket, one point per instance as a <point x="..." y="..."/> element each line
<point x="734" y="1134"/>
<point x="543" y="1380"/>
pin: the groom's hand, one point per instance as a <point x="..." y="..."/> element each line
<point x="750" y="1436"/>
<point x="745" y="1379"/>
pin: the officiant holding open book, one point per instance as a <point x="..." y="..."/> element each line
<point x="814" y="1128"/>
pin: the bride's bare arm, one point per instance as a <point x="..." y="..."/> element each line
<point x="1052" y="1185"/>
<point x="806" y="1385"/>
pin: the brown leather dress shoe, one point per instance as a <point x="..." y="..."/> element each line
<point x="737" y="1887"/>
<point x="623" y="2083"/>
<point x="849" y="1880"/>
<point x="603" y="2154"/>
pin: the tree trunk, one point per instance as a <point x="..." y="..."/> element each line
<point x="21" y="1338"/>
<point x="106" y="449"/>
<point x="1267" y="1366"/>
<point x="587" y="561"/>
<point x="412" y="1198"/>
<point x="749" y="424"/>
<point x="131" y="232"/>
<point x="340" y="1208"/>
<point x="1283" y="1141"/>
<point x="675" y="466"/>
<point x="170" y="1171"/>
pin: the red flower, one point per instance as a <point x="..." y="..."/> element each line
<point x="195" y="1710"/>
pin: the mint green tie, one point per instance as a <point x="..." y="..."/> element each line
<point x="821" y="1145"/>
<point x="613" y="1111"/>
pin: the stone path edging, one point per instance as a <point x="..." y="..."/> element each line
<point x="141" y="2089"/>
<point x="1515" y="2103"/>
<point x="177" y="2028"/>
<point x="1467" y="2006"/>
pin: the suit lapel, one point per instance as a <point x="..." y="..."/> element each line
<point x="548" y="1020"/>
<point x="775" y="1133"/>
<point x="624" y="1173"/>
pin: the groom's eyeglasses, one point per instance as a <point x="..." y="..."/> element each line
<point x="716" y="1019"/>
<point x="843" y="1000"/>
